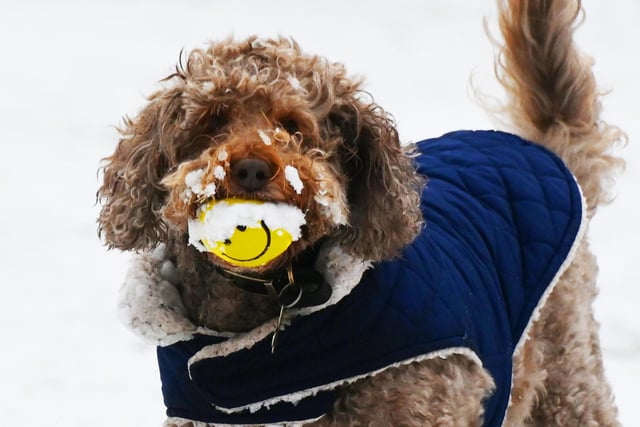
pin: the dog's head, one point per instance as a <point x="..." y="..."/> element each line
<point x="259" y="120"/>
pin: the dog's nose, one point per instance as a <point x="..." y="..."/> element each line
<point x="251" y="174"/>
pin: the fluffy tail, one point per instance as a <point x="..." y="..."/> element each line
<point x="552" y="93"/>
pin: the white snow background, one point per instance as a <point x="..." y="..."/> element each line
<point x="71" y="69"/>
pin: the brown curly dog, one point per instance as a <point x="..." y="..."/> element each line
<point x="238" y="117"/>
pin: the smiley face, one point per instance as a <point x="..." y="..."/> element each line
<point x="251" y="246"/>
<point x="245" y="233"/>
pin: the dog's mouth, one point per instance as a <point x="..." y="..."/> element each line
<point x="255" y="207"/>
<point x="245" y="233"/>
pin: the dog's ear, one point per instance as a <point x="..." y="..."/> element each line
<point x="131" y="193"/>
<point x="383" y="188"/>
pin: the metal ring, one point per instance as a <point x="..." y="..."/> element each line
<point x="288" y="287"/>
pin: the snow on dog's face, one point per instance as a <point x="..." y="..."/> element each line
<point x="245" y="233"/>
<point x="257" y="199"/>
<point x="260" y="121"/>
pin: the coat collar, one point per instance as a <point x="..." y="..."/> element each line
<point x="150" y="304"/>
<point x="504" y="220"/>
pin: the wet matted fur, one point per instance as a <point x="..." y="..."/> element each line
<point x="222" y="100"/>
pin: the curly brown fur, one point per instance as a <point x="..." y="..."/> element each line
<point x="218" y="107"/>
<point x="360" y="186"/>
<point x="558" y="374"/>
<point x="440" y="392"/>
<point x="554" y="99"/>
<point x="232" y="90"/>
<point x="559" y="378"/>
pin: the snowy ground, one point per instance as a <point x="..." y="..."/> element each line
<point x="72" y="69"/>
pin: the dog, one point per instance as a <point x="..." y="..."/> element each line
<point x="343" y="306"/>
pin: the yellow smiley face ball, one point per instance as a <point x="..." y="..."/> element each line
<point x="246" y="233"/>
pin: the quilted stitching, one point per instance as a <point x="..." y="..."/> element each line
<point x="501" y="214"/>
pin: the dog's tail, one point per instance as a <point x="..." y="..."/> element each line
<point x="552" y="93"/>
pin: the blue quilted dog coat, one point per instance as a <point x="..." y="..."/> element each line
<point x="503" y="217"/>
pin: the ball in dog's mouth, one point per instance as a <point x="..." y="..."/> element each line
<point x="245" y="233"/>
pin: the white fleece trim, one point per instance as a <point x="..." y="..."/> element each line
<point x="150" y="305"/>
<point x="183" y="422"/>
<point x="342" y="271"/>
<point x="535" y="315"/>
<point x="298" y="396"/>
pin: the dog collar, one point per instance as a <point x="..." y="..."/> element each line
<point x="290" y="288"/>
<point x="504" y="220"/>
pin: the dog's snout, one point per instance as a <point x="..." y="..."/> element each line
<point x="252" y="174"/>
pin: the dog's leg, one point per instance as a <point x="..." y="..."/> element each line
<point x="559" y="377"/>
<point x="553" y="100"/>
<point x="576" y="391"/>
<point x="443" y="392"/>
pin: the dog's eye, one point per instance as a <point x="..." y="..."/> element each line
<point x="216" y="122"/>
<point x="291" y="126"/>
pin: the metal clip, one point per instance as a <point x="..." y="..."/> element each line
<point x="274" y="337"/>
<point x="288" y="297"/>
